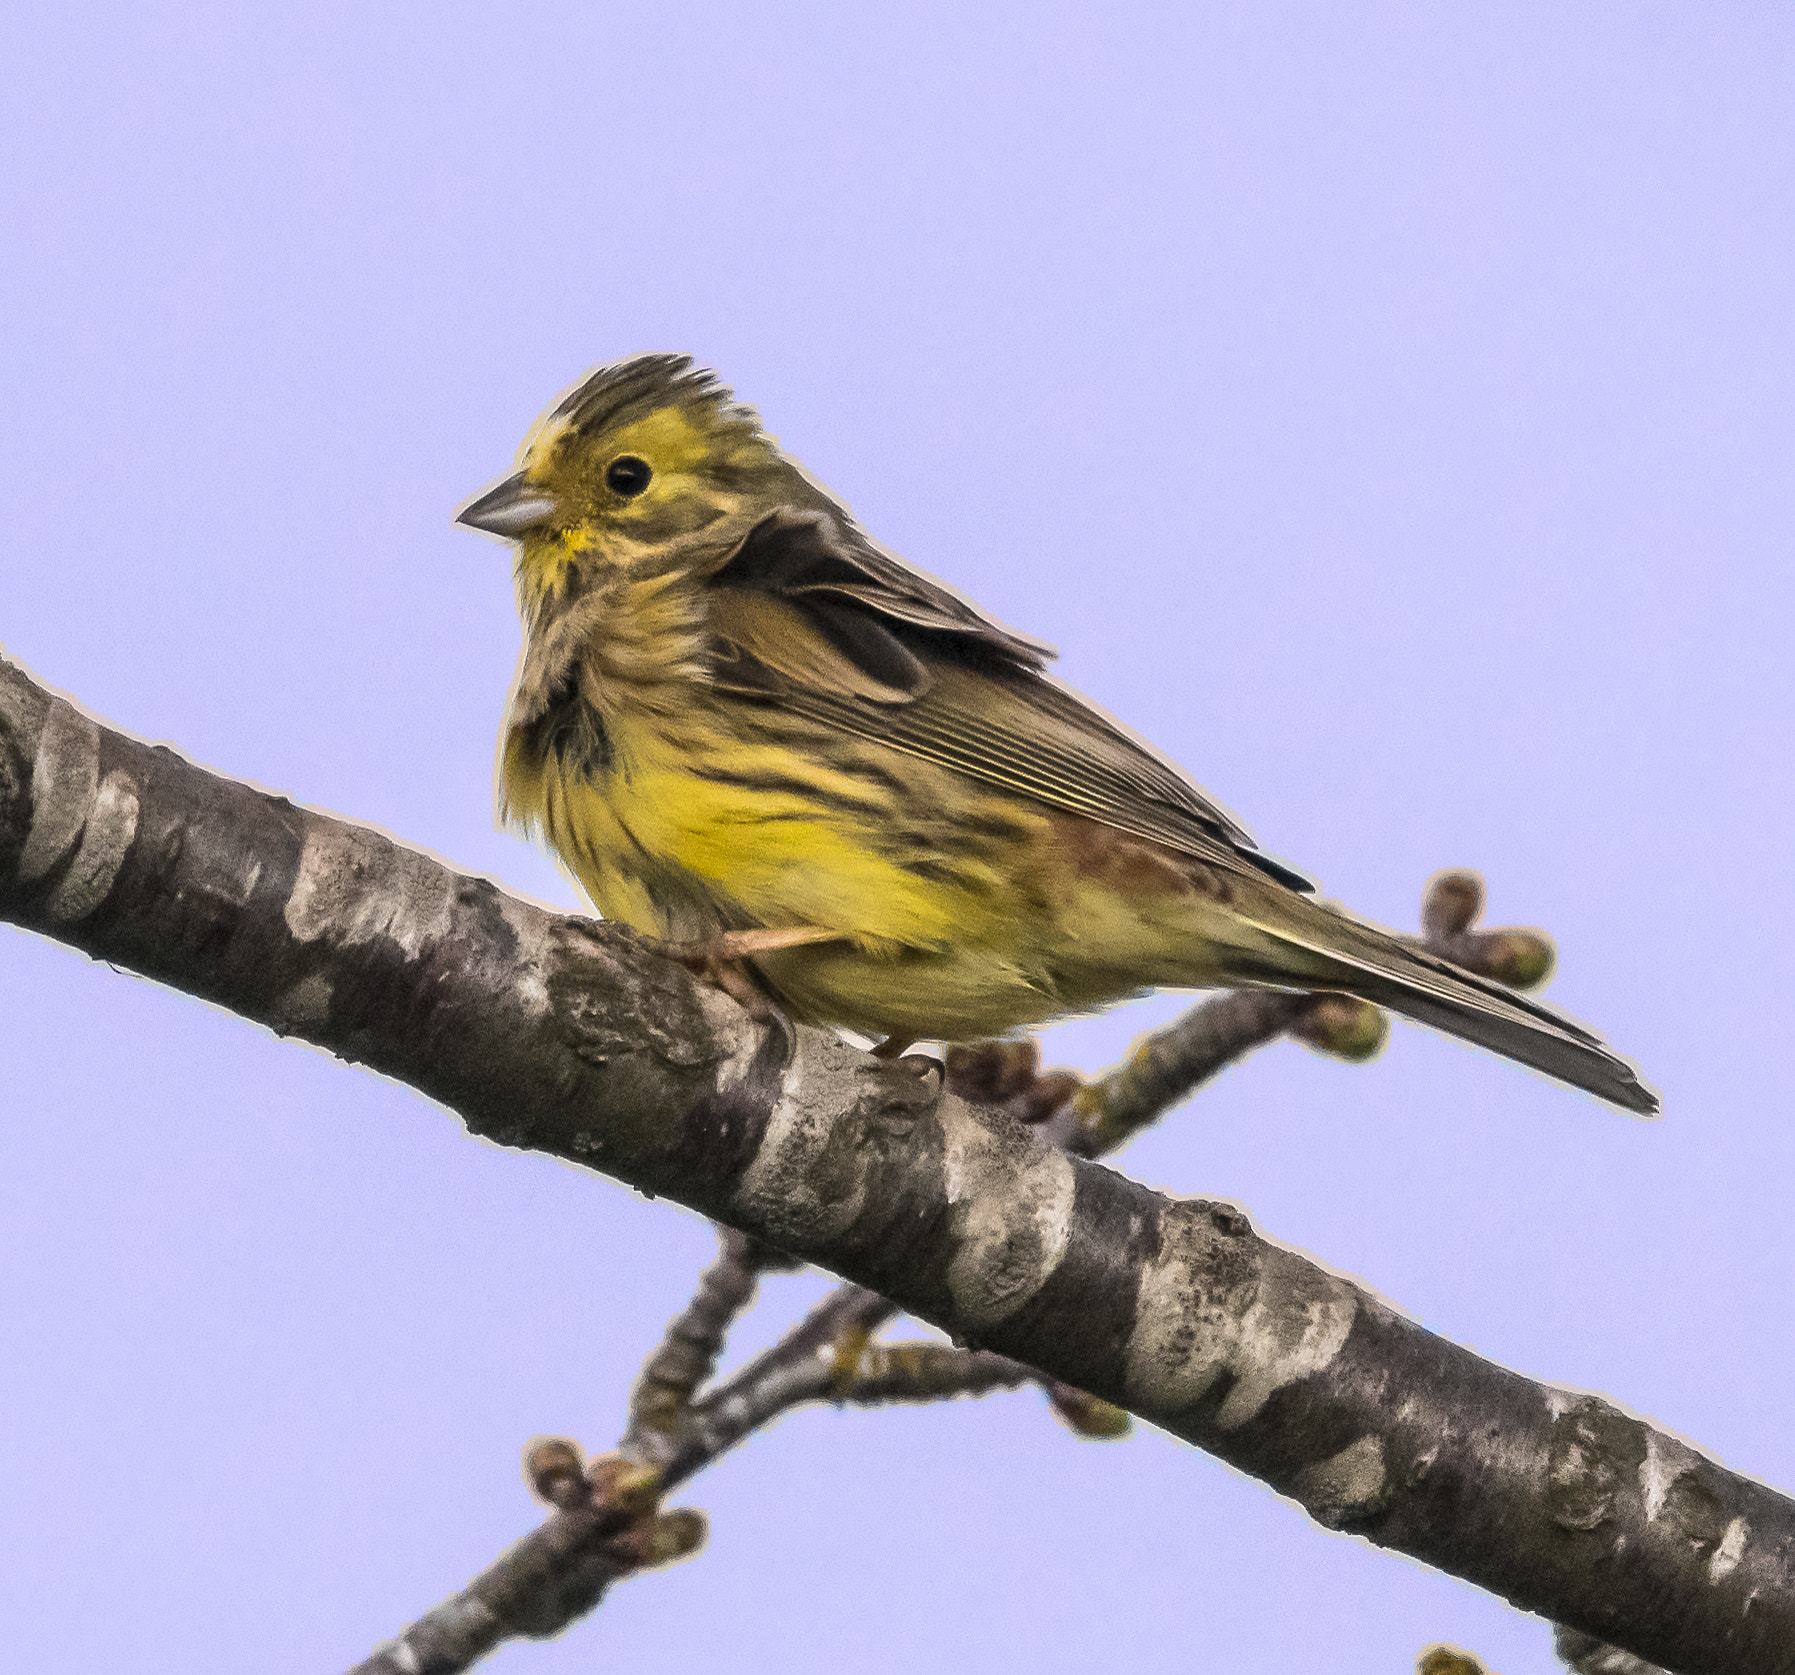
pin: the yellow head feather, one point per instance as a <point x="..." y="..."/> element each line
<point x="639" y="459"/>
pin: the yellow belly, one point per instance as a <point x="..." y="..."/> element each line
<point x="960" y="912"/>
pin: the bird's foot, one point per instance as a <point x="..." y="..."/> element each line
<point x="721" y="962"/>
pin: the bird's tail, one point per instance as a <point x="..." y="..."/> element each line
<point x="1301" y="944"/>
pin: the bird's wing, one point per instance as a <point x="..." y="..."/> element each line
<point x="809" y="617"/>
<point x="805" y="555"/>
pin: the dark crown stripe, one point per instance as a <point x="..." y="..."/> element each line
<point x="628" y="389"/>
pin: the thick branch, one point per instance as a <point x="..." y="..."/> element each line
<point x="1583" y="1654"/>
<point x="571" y="1038"/>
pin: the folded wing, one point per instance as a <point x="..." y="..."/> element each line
<point x="812" y="617"/>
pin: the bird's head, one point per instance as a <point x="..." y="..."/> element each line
<point x="647" y="465"/>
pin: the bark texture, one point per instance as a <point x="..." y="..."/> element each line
<point x="571" y="1037"/>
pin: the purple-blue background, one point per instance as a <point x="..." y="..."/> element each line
<point x="1387" y="408"/>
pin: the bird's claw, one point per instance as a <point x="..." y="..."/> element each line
<point x="721" y="961"/>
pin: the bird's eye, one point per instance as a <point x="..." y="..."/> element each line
<point x="628" y="476"/>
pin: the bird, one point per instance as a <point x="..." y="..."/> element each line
<point x="834" y="784"/>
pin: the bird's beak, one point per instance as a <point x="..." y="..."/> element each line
<point x="508" y="510"/>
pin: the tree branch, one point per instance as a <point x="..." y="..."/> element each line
<point x="572" y="1038"/>
<point x="661" y="1404"/>
<point x="608" y="1525"/>
<point x="1583" y="1654"/>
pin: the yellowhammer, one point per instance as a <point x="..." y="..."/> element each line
<point x="745" y="727"/>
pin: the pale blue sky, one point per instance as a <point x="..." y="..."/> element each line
<point x="1385" y="407"/>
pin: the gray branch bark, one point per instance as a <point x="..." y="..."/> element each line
<point x="572" y="1038"/>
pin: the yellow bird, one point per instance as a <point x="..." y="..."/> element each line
<point x="749" y="730"/>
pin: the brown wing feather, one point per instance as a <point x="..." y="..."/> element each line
<point x="803" y="554"/>
<point x="806" y="616"/>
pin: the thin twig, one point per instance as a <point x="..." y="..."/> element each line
<point x="801" y="1367"/>
<point x="1169" y="1065"/>
<point x="928" y="1372"/>
<point x="554" y="1575"/>
<point x="661" y="1402"/>
<point x="606" y="1526"/>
